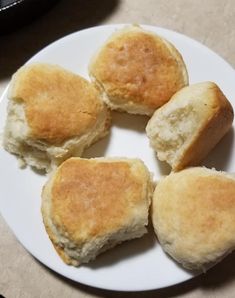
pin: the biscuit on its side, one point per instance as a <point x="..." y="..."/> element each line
<point x="193" y="214"/>
<point x="185" y="129"/>
<point x="52" y="114"/>
<point x="137" y="71"/>
<point x="91" y="205"/>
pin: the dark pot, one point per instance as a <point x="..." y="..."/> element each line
<point x="16" y="13"/>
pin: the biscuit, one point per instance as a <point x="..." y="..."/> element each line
<point x="91" y="205"/>
<point x="137" y="71"/>
<point x="52" y="114"/>
<point x="193" y="214"/>
<point x="185" y="129"/>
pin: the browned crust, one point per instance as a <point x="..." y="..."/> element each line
<point x="58" y="248"/>
<point x="80" y="189"/>
<point x="90" y="198"/>
<point x="45" y="215"/>
<point x="58" y="104"/>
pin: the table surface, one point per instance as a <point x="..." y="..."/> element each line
<point x="211" y="22"/>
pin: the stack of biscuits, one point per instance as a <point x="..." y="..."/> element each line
<point x="91" y="205"/>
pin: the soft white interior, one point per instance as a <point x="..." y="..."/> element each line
<point x="172" y="128"/>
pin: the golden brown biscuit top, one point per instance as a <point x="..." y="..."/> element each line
<point x="92" y="198"/>
<point x="58" y="103"/>
<point x="200" y="209"/>
<point x="139" y="67"/>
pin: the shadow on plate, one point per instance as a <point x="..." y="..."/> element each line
<point x="163" y="167"/>
<point x="220" y="156"/>
<point x="65" y="17"/>
<point x="125" y="250"/>
<point x="39" y="172"/>
<point x="130" y="121"/>
<point x="217" y="277"/>
<point x="98" y="149"/>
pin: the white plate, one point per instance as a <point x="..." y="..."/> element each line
<point x="139" y="264"/>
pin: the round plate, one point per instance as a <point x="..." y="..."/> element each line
<point x="138" y="264"/>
